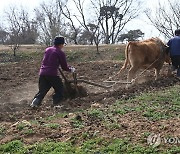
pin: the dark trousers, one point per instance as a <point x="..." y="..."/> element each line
<point x="176" y="63"/>
<point x="45" y="83"/>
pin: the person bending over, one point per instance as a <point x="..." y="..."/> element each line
<point x="48" y="74"/>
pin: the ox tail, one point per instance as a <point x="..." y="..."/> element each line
<point x="126" y="61"/>
<point x="127" y="58"/>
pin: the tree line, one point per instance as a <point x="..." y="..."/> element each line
<point x="85" y="22"/>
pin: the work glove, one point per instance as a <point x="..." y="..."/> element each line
<point x="72" y="69"/>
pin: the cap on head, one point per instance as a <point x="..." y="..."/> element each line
<point x="59" y="40"/>
<point x="177" y="32"/>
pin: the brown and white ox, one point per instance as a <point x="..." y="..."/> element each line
<point x="147" y="54"/>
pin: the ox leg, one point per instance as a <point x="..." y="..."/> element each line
<point x="157" y="71"/>
<point x="131" y="75"/>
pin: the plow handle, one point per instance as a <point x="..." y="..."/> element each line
<point x="62" y="74"/>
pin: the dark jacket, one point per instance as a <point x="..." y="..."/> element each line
<point x="174" y="45"/>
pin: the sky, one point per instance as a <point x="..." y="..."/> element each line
<point x="140" y="23"/>
<point x="28" y="3"/>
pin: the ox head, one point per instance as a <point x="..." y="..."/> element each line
<point x="164" y="49"/>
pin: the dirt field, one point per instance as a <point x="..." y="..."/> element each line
<point x="19" y="84"/>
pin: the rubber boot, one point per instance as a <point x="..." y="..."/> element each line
<point x="35" y="103"/>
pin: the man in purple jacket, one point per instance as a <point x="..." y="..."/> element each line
<point x="48" y="75"/>
<point x="174" y="45"/>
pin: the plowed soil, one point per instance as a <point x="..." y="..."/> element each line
<point x="19" y="84"/>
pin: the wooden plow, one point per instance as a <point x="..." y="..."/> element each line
<point x="75" y="81"/>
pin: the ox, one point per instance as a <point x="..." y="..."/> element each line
<point x="147" y="54"/>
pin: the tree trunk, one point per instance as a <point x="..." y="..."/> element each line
<point x="97" y="48"/>
<point x="14" y="52"/>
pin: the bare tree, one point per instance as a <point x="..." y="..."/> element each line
<point x="50" y="21"/>
<point x="87" y="36"/>
<point x="95" y="34"/>
<point x="72" y="35"/>
<point x="14" y="28"/>
<point x="166" y="18"/>
<point x="91" y="27"/>
<point x="113" y="16"/>
<point x="79" y="4"/>
<point x="74" y="30"/>
<point x="21" y="29"/>
<point x="3" y="35"/>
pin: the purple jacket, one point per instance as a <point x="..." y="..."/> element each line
<point x="53" y="58"/>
